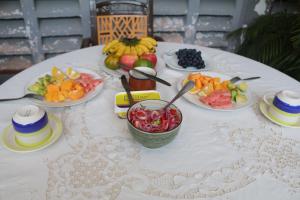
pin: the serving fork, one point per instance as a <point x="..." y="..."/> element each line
<point x="237" y="78"/>
<point x="28" y="95"/>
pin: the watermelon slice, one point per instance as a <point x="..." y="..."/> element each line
<point x="218" y="99"/>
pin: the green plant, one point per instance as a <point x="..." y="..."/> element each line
<point x="273" y="39"/>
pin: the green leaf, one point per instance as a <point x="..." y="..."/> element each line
<point x="274" y="40"/>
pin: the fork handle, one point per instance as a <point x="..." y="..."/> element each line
<point x="251" y="78"/>
<point x="10" y="99"/>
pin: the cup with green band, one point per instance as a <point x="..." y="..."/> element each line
<point x="284" y="107"/>
<point x="31" y="126"/>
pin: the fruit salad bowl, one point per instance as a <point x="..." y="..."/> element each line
<point x="151" y="125"/>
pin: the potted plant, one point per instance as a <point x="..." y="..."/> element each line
<point x="273" y="39"/>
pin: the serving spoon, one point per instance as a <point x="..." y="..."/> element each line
<point x="189" y="85"/>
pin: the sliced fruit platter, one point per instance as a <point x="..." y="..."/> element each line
<point x="126" y="53"/>
<point x="66" y="87"/>
<point x="215" y="91"/>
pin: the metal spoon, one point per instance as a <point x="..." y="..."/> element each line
<point x="127" y="89"/>
<point x="28" y="95"/>
<point x="189" y="85"/>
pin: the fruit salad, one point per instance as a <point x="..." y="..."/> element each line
<point x="64" y="86"/>
<point x="154" y="121"/>
<point x="216" y="93"/>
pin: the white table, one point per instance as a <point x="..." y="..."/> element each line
<point x="216" y="155"/>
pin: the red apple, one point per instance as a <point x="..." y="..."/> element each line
<point x="151" y="57"/>
<point x="127" y="61"/>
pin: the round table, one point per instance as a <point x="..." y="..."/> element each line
<point x="216" y="155"/>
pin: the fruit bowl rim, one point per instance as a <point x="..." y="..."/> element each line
<point x="152" y="133"/>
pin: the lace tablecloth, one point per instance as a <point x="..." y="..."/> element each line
<point x="216" y="155"/>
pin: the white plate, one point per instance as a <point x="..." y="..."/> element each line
<point x="87" y="96"/>
<point x="119" y="72"/>
<point x="171" y="61"/>
<point x="194" y="98"/>
<point x="264" y="109"/>
<point x="8" y="137"/>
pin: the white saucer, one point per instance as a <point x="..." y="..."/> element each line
<point x="264" y="109"/>
<point x="9" y="142"/>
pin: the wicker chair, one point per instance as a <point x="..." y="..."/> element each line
<point x="116" y="19"/>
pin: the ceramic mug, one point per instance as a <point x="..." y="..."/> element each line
<point x="284" y="107"/>
<point x="29" y="119"/>
<point x="31" y="125"/>
<point x="138" y="82"/>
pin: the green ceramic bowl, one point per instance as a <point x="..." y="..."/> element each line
<point x="148" y="139"/>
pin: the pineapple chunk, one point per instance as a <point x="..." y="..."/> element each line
<point x="241" y="99"/>
<point x="242" y="86"/>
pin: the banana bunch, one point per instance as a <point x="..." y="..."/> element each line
<point x="132" y="46"/>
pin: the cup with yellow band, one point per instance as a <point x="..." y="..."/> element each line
<point x="284" y="107"/>
<point x="31" y="125"/>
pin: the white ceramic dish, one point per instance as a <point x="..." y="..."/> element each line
<point x="8" y="137"/>
<point x="171" y="61"/>
<point x="264" y="109"/>
<point x="119" y="72"/>
<point x="86" y="98"/>
<point x="194" y="99"/>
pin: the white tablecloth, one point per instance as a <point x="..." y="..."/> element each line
<point x="216" y="155"/>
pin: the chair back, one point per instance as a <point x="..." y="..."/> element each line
<point x="119" y="19"/>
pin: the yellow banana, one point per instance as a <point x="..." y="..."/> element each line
<point x="127" y="50"/>
<point x="151" y="40"/>
<point x="120" y="50"/>
<point x="138" y="50"/>
<point x="146" y="43"/>
<point x="133" y="51"/>
<point x="143" y="48"/>
<point x="114" y="48"/>
<point x="109" y="45"/>
<point x="152" y="50"/>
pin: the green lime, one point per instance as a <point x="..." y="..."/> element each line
<point x="143" y="63"/>
<point x="112" y="62"/>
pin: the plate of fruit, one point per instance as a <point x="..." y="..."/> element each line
<point x="126" y="53"/>
<point x="65" y="86"/>
<point x="187" y="60"/>
<point x="214" y="91"/>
